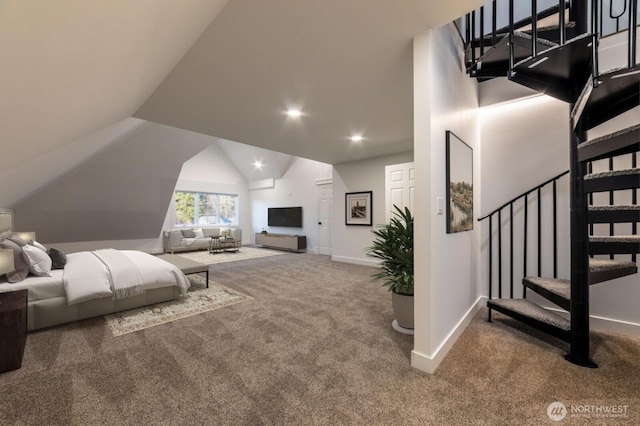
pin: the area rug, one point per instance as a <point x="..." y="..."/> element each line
<point x="199" y="299"/>
<point x="244" y="253"/>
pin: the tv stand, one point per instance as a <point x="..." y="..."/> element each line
<point x="282" y="241"/>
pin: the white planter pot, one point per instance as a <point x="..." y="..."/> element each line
<point x="403" y="309"/>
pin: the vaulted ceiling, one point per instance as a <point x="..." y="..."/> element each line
<point x="226" y="68"/>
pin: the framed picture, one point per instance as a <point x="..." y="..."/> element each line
<point x="459" y="185"/>
<point x="358" y="208"/>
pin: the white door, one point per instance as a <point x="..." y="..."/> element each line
<point x="325" y="219"/>
<point x="399" y="187"/>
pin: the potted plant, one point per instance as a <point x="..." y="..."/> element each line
<point x="393" y="245"/>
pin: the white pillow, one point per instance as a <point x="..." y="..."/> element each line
<point x="38" y="260"/>
<point x="40" y="246"/>
<point x="199" y="233"/>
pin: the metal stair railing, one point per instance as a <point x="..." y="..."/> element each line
<point x="611" y="17"/>
<point x="509" y="206"/>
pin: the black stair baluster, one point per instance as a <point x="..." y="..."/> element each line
<point x="481" y="31"/>
<point x="561" y="24"/>
<point x="539" y="234"/>
<point x="490" y="262"/>
<point x="594" y="42"/>
<point x="467" y="31"/>
<point x="555" y="230"/>
<point x="526" y="226"/>
<point x="534" y="28"/>
<point x="494" y="20"/>
<point x="611" y="203"/>
<point x="511" y="250"/>
<point x="590" y="197"/>
<point x="512" y="54"/>
<point x="633" y="16"/>
<point x="473" y="37"/>
<point x="500" y="254"/>
<point x="634" y="201"/>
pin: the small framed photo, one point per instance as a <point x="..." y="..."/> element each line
<point x="358" y="208"/>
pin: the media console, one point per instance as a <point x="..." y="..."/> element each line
<point x="282" y="241"/>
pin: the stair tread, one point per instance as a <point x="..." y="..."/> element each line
<point x="596" y="265"/>
<point x="616" y="93"/>
<point x="557" y="286"/>
<point x="615" y="239"/>
<point x="553" y="70"/>
<point x="609" y="136"/>
<point x="615" y="208"/>
<point x="613" y="173"/>
<point x="529" y="37"/>
<point x="533" y="311"/>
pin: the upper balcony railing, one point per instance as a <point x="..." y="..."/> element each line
<point x="492" y="20"/>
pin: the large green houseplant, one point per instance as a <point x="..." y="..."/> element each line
<point x="393" y="246"/>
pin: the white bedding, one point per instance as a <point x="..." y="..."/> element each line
<point x="38" y="288"/>
<point x="85" y="278"/>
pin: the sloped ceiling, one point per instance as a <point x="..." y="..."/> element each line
<point x="73" y="72"/>
<point x="245" y="157"/>
<point x="346" y="64"/>
<point x="71" y="67"/>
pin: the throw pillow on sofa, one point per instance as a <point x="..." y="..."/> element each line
<point x="188" y="233"/>
<point x="198" y="232"/>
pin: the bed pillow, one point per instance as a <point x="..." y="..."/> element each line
<point x="39" y="261"/>
<point x="58" y="258"/>
<point x="188" y="233"/>
<point x="18" y="241"/>
<point x="198" y="232"/>
<point x="40" y="246"/>
<point x="21" y="266"/>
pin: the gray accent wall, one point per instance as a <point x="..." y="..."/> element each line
<point x="120" y="194"/>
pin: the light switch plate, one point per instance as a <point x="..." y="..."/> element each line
<point x="440" y="205"/>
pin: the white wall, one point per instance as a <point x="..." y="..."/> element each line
<point x="446" y="275"/>
<point x="212" y="171"/>
<point x="349" y="242"/>
<point x="296" y="188"/>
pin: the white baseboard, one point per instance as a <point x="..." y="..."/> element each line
<point x="429" y="364"/>
<point x="609" y="325"/>
<point x="354" y="261"/>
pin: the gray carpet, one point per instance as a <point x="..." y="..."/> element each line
<point x="315" y="346"/>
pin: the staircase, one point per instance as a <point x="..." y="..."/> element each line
<point x="561" y="60"/>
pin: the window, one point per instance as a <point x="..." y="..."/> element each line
<point x="203" y="208"/>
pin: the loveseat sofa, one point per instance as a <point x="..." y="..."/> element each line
<point x="195" y="238"/>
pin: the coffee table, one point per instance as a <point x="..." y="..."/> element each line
<point x="218" y="245"/>
<point x="187" y="266"/>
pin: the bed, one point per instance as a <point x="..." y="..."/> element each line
<point x="94" y="283"/>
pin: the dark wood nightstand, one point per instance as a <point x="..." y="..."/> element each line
<point x="13" y="329"/>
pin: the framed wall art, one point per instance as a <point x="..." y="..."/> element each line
<point x="358" y="208"/>
<point x="459" y="184"/>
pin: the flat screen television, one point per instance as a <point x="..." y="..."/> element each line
<point x="285" y="216"/>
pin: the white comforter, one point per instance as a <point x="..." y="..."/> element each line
<point x="88" y="276"/>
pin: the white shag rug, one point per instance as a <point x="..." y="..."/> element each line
<point x="245" y="253"/>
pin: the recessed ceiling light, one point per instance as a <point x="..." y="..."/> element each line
<point x="294" y="113"/>
<point x="257" y="164"/>
<point x="356" y="138"/>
